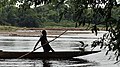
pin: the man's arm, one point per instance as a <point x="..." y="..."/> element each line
<point x="37" y="43"/>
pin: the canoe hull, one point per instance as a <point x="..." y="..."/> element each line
<point x="43" y="55"/>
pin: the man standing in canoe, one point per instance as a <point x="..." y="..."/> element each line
<point x="44" y="42"/>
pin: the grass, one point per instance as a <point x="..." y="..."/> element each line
<point x="8" y="28"/>
<point x="58" y="25"/>
<point x="53" y="25"/>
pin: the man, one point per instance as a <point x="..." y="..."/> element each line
<point x="44" y="42"/>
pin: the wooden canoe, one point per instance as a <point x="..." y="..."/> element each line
<point x="43" y="55"/>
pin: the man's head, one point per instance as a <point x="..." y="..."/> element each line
<point x="44" y="32"/>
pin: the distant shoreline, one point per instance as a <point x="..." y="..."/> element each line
<point x="35" y="32"/>
<point x="54" y="29"/>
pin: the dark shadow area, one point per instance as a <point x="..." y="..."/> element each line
<point x="64" y="62"/>
<point x="46" y="63"/>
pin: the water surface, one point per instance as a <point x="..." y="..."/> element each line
<point x="68" y="42"/>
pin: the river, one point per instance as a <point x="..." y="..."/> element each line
<point x="68" y="42"/>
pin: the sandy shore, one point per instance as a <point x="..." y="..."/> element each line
<point x="35" y="32"/>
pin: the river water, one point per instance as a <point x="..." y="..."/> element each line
<point x="68" y="42"/>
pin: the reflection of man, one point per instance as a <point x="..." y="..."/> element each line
<point x="46" y="63"/>
<point x="44" y="42"/>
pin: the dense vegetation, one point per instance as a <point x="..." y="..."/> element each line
<point x="37" y="17"/>
<point x="67" y="13"/>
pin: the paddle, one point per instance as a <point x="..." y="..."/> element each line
<point x="41" y="46"/>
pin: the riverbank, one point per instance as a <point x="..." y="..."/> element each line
<point x="35" y="32"/>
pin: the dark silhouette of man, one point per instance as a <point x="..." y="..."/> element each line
<point x="44" y="42"/>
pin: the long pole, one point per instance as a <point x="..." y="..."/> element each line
<point x="41" y="46"/>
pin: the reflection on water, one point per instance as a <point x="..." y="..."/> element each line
<point x="68" y="42"/>
<point x="43" y="62"/>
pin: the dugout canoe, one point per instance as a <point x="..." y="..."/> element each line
<point x="43" y="55"/>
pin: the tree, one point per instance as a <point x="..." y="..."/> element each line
<point x="102" y="12"/>
<point x="28" y="18"/>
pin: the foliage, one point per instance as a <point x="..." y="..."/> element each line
<point x="11" y="15"/>
<point x="102" y="12"/>
<point x="97" y="12"/>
